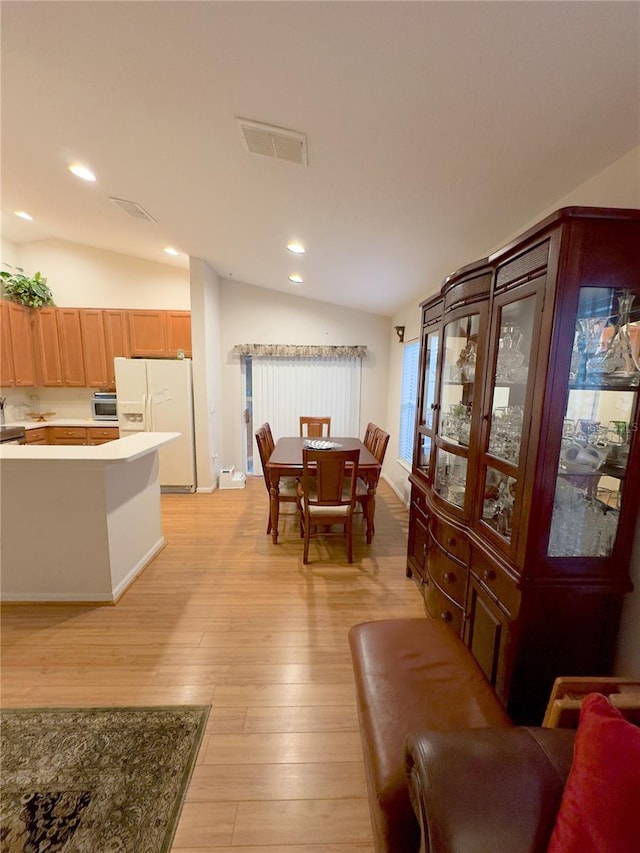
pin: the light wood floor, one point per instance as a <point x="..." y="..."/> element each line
<point x="223" y="617"/>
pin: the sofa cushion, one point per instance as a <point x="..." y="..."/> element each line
<point x="600" y="807"/>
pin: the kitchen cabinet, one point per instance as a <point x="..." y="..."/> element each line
<point x="7" y="374"/>
<point x="178" y="338"/>
<point x="94" y="349"/>
<point x="17" y="338"/>
<point x="47" y="348"/>
<point x="91" y="435"/>
<point x="39" y="435"/>
<point x="526" y="451"/>
<point x="159" y="334"/>
<point x="147" y="334"/>
<point x="71" y="349"/>
<point x="75" y="347"/>
<point x="116" y="338"/>
<point x="67" y="435"/>
<point x="100" y="435"/>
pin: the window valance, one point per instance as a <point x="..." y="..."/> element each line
<point x="300" y="351"/>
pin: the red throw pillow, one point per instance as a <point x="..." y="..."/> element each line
<point x="600" y="808"/>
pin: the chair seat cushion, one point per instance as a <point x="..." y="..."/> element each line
<point x="320" y="511"/>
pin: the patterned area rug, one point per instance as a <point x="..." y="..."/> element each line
<point x="95" y="780"/>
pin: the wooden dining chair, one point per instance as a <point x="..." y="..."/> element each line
<point x="378" y="447"/>
<point x="288" y="491"/>
<point x="369" y="434"/>
<point x="328" y="489"/>
<point x="313" y="427"/>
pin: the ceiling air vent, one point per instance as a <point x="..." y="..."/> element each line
<point x="271" y="141"/>
<point x="132" y="209"/>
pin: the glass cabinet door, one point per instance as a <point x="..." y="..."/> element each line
<point x="598" y="426"/>
<point x="511" y="377"/>
<point x="431" y="348"/>
<point x="459" y="355"/>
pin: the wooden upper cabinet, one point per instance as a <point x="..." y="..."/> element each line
<point x="7" y="375"/>
<point x="178" y="333"/>
<point x="70" y="334"/>
<point x="147" y="333"/>
<point x="22" y="345"/>
<point x="116" y="337"/>
<point x="47" y="348"/>
<point x="94" y="348"/>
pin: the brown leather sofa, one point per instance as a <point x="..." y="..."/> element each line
<point x="489" y="789"/>
<point x="412" y="675"/>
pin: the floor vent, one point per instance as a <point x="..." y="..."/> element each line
<point x="276" y="142"/>
<point x="132" y="209"/>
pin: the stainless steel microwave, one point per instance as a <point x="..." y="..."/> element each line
<point x="104" y="407"/>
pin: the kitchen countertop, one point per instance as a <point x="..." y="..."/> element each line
<point x="119" y="450"/>
<point x="63" y="422"/>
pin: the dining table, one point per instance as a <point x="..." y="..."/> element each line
<point x="286" y="461"/>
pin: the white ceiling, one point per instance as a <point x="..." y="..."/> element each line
<point x="434" y="130"/>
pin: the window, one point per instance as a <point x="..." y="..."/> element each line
<point x="285" y="388"/>
<point x="408" y="395"/>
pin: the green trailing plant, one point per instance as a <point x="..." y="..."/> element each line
<point x="20" y="288"/>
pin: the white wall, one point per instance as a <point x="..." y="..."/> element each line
<point x="258" y="316"/>
<point x="205" y="336"/>
<point x="84" y="277"/>
<point x="616" y="186"/>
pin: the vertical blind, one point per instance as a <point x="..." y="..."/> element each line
<point x="286" y="388"/>
<point x="408" y="395"/>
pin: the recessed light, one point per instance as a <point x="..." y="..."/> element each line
<point x="23" y="215"/>
<point x="295" y="278"/>
<point x="296" y="248"/>
<point x="82" y="172"/>
<point x="170" y="250"/>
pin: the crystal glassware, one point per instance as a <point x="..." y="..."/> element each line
<point x="616" y="362"/>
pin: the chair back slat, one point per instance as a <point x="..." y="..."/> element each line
<point x="379" y="444"/>
<point x="369" y="435"/>
<point x="315" y="427"/>
<point x="264" y="440"/>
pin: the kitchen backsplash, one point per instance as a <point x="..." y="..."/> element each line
<point x="65" y="402"/>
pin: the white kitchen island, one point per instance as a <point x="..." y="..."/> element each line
<point x="78" y="523"/>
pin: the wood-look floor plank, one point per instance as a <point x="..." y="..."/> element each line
<point x="294" y="821"/>
<point x="224" y="618"/>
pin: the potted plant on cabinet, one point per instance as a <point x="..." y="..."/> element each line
<point x="18" y="287"/>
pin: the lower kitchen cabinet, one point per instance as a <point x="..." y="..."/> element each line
<point x="100" y="435"/>
<point x="40" y="435"/>
<point x="67" y="435"/>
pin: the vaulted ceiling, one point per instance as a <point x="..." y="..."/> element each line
<point x="433" y="130"/>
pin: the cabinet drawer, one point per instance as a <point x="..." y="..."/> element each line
<point x="440" y="606"/>
<point x="60" y="434"/>
<point x="37" y="436"/>
<point x="450" y="576"/>
<point x="103" y="434"/>
<point x="450" y="539"/>
<point x="497" y="582"/>
<point x="419" y="500"/>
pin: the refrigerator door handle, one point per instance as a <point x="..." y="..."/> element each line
<point x="148" y="421"/>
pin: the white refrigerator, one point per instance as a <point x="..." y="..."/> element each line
<point x="156" y="395"/>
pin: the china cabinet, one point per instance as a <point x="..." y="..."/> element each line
<point x="523" y="506"/>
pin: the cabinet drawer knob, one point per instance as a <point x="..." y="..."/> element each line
<point x="449" y="577"/>
<point x="446" y="616"/>
<point x="451" y="540"/>
<point x="489" y="575"/>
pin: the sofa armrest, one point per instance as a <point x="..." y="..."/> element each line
<point x="487" y="789"/>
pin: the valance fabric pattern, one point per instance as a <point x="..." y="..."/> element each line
<point x="300" y="351"/>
